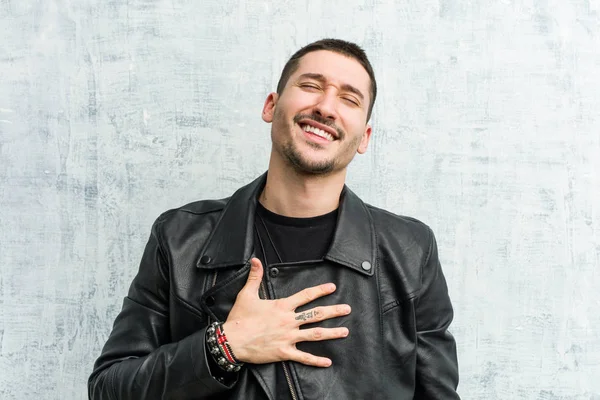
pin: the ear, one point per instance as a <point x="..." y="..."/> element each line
<point x="269" y="107"/>
<point x="364" y="143"/>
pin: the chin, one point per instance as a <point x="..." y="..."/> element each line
<point x="306" y="166"/>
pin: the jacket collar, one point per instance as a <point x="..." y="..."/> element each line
<point x="232" y="240"/>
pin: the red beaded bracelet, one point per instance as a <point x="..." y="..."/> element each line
<point x="220" y="348"/>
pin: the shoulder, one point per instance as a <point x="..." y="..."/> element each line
<point x="406" y="249"/>
<point x="190" y="213"/>
<point x="400" y="227"/>
<point x="199" y="207"/>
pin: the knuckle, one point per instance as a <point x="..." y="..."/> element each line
<point x="282" y="323"/>
<point x="307" y="295"/>
<point x="306" y="358"/>
<point x="317" y="333"/>
<point x="319" y="314"/>
<point x="280" y="305"/>
<point x="281" y="354"/>
<point x="291" y="337"/>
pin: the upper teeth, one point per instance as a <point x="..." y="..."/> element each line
<point x="318" y="132"/>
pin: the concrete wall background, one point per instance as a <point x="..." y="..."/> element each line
<point x="487" y="128"/>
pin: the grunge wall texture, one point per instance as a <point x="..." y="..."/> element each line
<point x="487" y="128"/>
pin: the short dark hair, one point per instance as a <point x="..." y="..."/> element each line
<point x="343" y="47"/>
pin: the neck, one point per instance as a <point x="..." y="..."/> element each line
<point x="296" y="195"/>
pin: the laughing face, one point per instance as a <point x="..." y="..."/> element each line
<point x="319" y="122"/>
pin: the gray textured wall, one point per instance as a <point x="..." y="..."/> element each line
<point x="487" y="128"/>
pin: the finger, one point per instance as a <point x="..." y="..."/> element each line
<point x="254" y="276"/>
<point x="321" y="313"/>
<point x="319" y="334"/>
<point x="309" y="359"/>
<point x="309" y="294"/>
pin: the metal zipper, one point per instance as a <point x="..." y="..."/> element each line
<point x="214" y="282"/>
<point x="289" y="381"/>
<point x="263" y="290"/>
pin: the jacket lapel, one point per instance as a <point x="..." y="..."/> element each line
<point x="353" y="242"/>
<point x="231" y="242"/>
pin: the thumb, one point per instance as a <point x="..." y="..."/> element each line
<point x="255" y="276"/>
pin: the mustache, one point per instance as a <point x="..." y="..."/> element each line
<point x="321" y="120"/>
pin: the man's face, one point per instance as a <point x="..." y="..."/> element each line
<point x="320" y="120"/>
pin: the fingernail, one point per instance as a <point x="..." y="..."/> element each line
<point x="327" y="363"/>
<point x="346" y="332"/>
<point x="343" y="309"/>
<point x="332" y="287"/>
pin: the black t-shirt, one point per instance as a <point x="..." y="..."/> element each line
<point x="280" y="239"/>
<point x="293" y="239"/>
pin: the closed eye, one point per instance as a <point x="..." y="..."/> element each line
<point x="309" y="86"/>
<point x="351" y="100"/>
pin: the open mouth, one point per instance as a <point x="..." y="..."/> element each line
<point x="317" y="131"/>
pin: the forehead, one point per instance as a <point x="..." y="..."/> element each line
<point x="337" y="69"/>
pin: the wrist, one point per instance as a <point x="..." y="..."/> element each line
<point x="234" y="342"/>
<point x="220" y="348"/>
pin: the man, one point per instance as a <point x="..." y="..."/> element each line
<point x="292" y="288"/>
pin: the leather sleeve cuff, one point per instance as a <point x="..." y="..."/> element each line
<point x="206" y="368"/>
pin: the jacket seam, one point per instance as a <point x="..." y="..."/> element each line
<point x="429" y="251"/>
<point x="390" y="306"/>
<point x="199" y="212"/>
<point x="442" y="328"/>
<point x="190" y="308"/>
<point x="399" y="216"/>
<point x="163" y="252"/>
<point x="422" y="289"/>
<point x="112" y="372"/>
<point x="188" y="211"/>
<point x="377" y="271"/>
<point x="148" y="308"/>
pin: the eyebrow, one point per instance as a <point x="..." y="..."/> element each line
<point x="321" y="78"/>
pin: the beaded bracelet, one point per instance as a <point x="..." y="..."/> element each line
<point x="220" y="349"/>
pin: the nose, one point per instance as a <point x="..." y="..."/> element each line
<point x="326" y="106"/>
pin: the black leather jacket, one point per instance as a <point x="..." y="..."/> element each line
<point x="197" y="259"/>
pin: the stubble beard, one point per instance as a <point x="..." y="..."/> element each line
<point x="294" y="157"/>
<point x="308" y="167"/>
<point x="304" y="166"/>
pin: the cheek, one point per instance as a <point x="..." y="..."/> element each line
<point x="303" y="102"/>
<point x="358" y="135"/>
<point x="284" y="109"/>
<point x="356" y="126"/>
<point x="279" y="118"/>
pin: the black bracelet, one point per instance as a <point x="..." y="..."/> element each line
<point x="220" y="349"/>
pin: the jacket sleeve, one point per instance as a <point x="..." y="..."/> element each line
<point x="437" y="364"/>
<point x="139" y="360"/>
